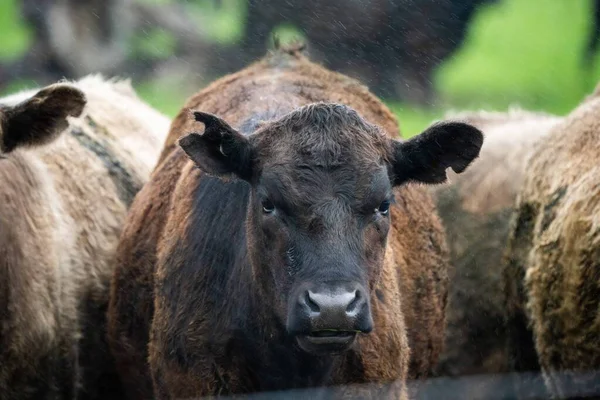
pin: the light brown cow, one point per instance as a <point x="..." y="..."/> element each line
<point x="73" y="155"/>
<point x="475" y="208"/>
<point x="553" y="258"/>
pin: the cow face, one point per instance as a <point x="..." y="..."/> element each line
<point x="319" y="214"/>
<point x="39" y="119"/>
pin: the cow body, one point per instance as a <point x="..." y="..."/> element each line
<point x="63" y="207"/>
<point x="192" y="311"/>
<point x="475" y="209"/>
<point x="553" y="258"/>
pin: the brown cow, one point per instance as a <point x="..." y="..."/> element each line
<point x="65" y="186"/>
<point x="553" y="258"/>
<point x="475" y="209"/>
<point x="266" y="267"/>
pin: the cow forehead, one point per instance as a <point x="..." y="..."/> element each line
<point x="328" y="150"/>
<point x="322" y="135"/>
<point x="312" y="185"/>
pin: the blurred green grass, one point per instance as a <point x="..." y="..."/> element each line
<point x="15" y="35"/>
<point x="517" y="52"/>
<point x="524" y="51"/>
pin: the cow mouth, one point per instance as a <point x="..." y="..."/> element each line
<point x="327" y="341"/>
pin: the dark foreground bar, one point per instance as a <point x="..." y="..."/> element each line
<point x="527" y="386"/>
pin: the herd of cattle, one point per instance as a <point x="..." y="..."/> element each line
<point x="279" y="235"/>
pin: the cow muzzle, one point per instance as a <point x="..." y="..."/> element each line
<point x="326" y="319"/>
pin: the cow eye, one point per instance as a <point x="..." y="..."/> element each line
<point x="384" y="207"/>
<point x="267" y="206"/>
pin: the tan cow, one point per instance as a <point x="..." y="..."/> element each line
<point x="553" y="258"/>
<point x="475" y="208"/>
<point x="73" y="156"/>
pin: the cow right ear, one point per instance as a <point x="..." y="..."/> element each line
<point x="221" y="150"/>
<point x="426" y="157"/>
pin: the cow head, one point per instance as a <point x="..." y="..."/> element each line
<point x="322" y="183"/>
<point x="39" y="119"/>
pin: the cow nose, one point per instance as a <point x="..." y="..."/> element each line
<point x="340" y="303"/>
<point x="344" y="309"/>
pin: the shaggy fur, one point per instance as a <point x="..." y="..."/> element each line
<point x="553" y="259"/>
<point x="65" y="185"/>
<point x="183" y="220"/>
<point x="475" y="209"/>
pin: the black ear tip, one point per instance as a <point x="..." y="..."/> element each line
<point x="79" y="105"/>
<point x="187" y="140"/>
<point x="73" y="94"/>
<point x="199" y="116"/>
<point x="477" y="138"/>
<point x="469" y="137"/>
<point x="213" y="125"/>
<point x="470" y="129"/>
<point x="471" y="148"/>
<point x="206" y="119"/>
<point x="460" y="168"/>
<point x="64" y="97"/>
<point x="67" y="90"/>
<point x="477" y="134"/>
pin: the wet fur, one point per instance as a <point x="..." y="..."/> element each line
<point x="475" y="208"/>
<point x="161" y="284"/>
<point x="553" y="256"/>
<point x="60" y="219"/>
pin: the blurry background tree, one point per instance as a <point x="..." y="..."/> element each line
<point x="421" y="56"/>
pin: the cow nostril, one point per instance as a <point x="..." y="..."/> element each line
<point x="352" y="306"/>
<point x="314" y="307"/>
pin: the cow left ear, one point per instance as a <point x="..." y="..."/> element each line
<point x="41" y="118"/>
<point x="221" y="150"/>
<point x="425" y="157"/>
